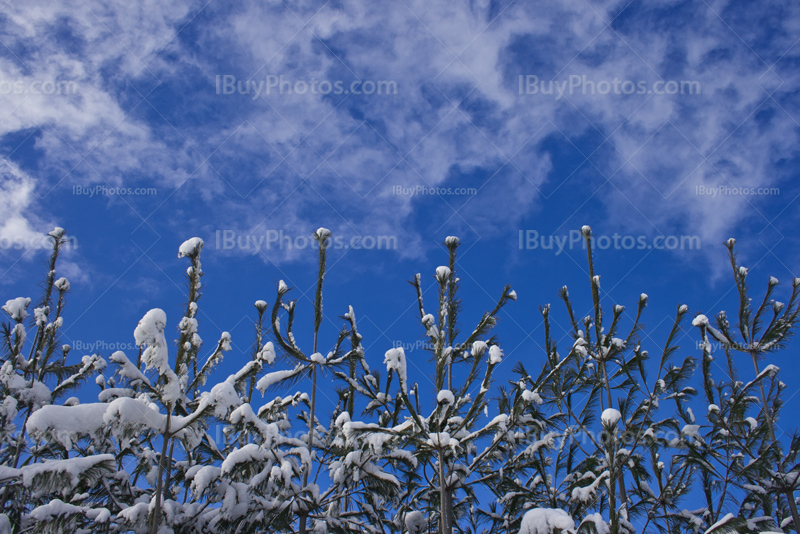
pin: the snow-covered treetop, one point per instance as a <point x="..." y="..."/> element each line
<point x="190" y="248"/>
<point x="17" y="308"/>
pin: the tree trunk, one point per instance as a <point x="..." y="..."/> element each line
<point x="445" y="504"/>
<point x="160" y="481"/>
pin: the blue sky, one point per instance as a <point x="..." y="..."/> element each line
<point x="132" y="95"/>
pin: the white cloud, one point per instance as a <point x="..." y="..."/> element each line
<point x="353" y="148"/>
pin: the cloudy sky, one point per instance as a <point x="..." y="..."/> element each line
<point x="137" y="125"/>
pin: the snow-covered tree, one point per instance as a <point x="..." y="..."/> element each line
<point x="749" y="476"/>
<point x="600" y="437"/>
<point x="597" y="435"/>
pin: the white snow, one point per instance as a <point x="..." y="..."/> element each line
<point x="445" y="396"/>
<point x="610" y="416"/>
<point x="66" y="424"/>
<point x="546" y="520"/>
<point x="150" y="333"/>
<point x="73" y="468"/>
<point x="415" y="521"/>
<point x="127" y="369"/>
<point x="190" y="247"/>
<point x="62" y="284"/>
<point x="700" y="320"/>
<point x="317" y="358"/>
<point x="395" y="359"/>
<point x="441" y="439"/>
<point x="600" y="524"/>
<point x="272" y="378"/>
<point x="495" y="355"/>
<point x="126" y="412"/>
<point x="267" y="353"/>
<point x="691" y="431"/>
<point x="531" y="396"/>
<point x="56" y="232"/>
<point x="248" y="453"/>
<point x="223" y="397"/>
<point x="16" y="308"/>
<point x="721" y="522"/>
<point x="322" y="234"/>
<point x="442" y="273"/>
<point x="55" y="508"/>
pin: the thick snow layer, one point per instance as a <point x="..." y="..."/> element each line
<point x="495" y="355"/>
<point x="222" y="397"/>
<point x="322" y="234"/>
<point x="442" y="273"/>
<point x="545" y="521"/>
<point x="128" y="412"/>
<point x="415" y="522"/>
<point x="600" y="524"/>
<point x="55" y="508"/>
<point x="691" y="431"/>
<point x="62" y="284"/>
<point x="67" y="424"/>
<point x="395" y="359"/>
<point x="127" y="369"/>
<point x="531" y="396"/>
<point x="16" y="308"/>
<point x="445" y="396"/>
<point x="442" y="439"/>
<point x="249" y="453"/>
<point x="610" y="416"/>
<point x="272" y="378"/>
<point x="150" y="333"/>
<point x="190" y="247"/>
<point x="267" y="353"/>
<point x="478" y="348"/>
<point x="700" y="320"/>
<point x="73" y="468"/>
